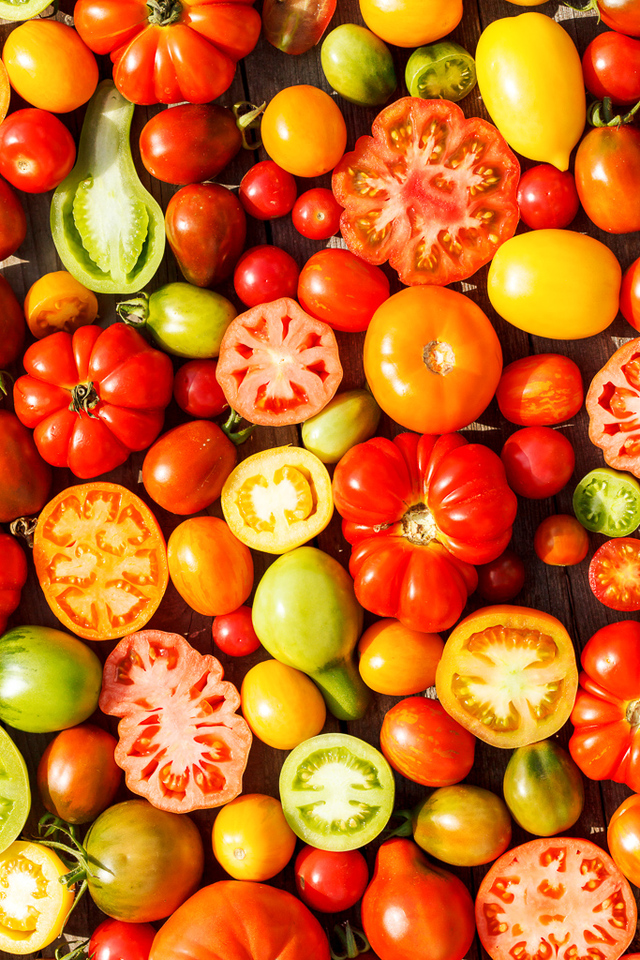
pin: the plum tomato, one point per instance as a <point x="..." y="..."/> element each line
<point x="119" y="940"/>
<point x="501" y="579"/>
<point x="196" y="390"/>
<point x="233" y="632"/>
<point x="303" y="131"/>
<point x="561" y="541"/>
<point x="336" y="286"/>
<point x="397" y="660"/>
<point x="282" y="705"/>
<point x="251" y="839"/>
<point x="350" y="418"/>
<point x="330" y="880"/>
<point x="265" y="273"/>
<point x="608" y="501"/>
<point x="358" y="65"/>
<point x="543" y="788"/>
<point x="36" y="150"/>
<point x="614" y="574"/>
<point x="540" y="390"/>
<point x="547" y="197"/>
<point x="267" y="191"/>
<point x="316" y="214"/>
<point x="611" y="67"/>
<point x="538" y="462"/>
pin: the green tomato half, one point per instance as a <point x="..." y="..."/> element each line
<point x="543" y="788"/>
<point x="358" y="65"/>
<point x="350" y="418"/>
<point x="608" y="501"/>
<point x="442" y="70"/>
<point x="15" y="793"/>
<point x="337" y="791"/>
<point x="22" y="9"/>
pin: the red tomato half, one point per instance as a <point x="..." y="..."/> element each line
<point x="538" y="462"/>
<point x="341" y="289"/>
<point x="614" y="574"/>
<point x="540" y="390"/>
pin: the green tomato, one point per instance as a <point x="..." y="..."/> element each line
<point x="442" y="70"/>
<point x="49" y="680"/>
<point x="337" y="791"/>
<point x="543" y="788"/>
<point x="184" y="320"/>
<point x="351" y="417"/>
<point x="607" y="501"/>
<point x="358" y="65"/>
<point x="15" y="794"/>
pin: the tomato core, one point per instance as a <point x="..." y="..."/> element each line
<point x="439" y="357"/>
<point x="24" y="884"/>
<point x="84" y="397"/>
<point x="633" y="713"/>
<point x="418" y="524"/>
<point x="164" y="12"/>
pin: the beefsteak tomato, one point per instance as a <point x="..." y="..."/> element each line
<point x="431" y="192"/>
<point x="419" y="512"/>
<point x="612" y="404"/>
<point x="93" y="397"/>
<point x="182" y="744"/>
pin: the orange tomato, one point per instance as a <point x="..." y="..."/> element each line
<point x="303" y="131"/>
<point x="251" y="838"/>
<point x="397" y="660"/>
<point x="57" y="301"/>
<point x="5" y="92"/>
<point x="561" y="541"/>
<point x="540" y="390"/>
<point x="410" y="23"/>
<point x="623" y="838"/>
<point x="282" y="705"/>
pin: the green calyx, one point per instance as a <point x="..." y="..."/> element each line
<point x="162" y="13"/>
<point x="353" y="942"/>
<point x="600" y="114"/>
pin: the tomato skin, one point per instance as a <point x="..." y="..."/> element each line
<point x="406" y="23"/>
<point x="462" y="825"/>
<point x="36" y="150"/>
<point x="623" y="838"/>
<point x="316" y="214"/>
<point x="282" y="705"/>
<point x="267" y="191"/>
<point x="630" y="294"/>
<point x="25" y="478"/>
<point x="538" y="462"/>
<point x="501" y="579"/>
<point x="13" y="576"/>
<point x="57" y="301"/>
<point x="611" y="68"/>
<point x="560" y="540"/>
<point x="358" y="65"/>
<point x="330" y="880"/>
<point x="341" y="289"/>
<point x="606" y="168"/>
<point x="189" y="143"/>
<point x="265" y="273"/>
<point x="13" y="221"/>
<point x="251" y="838"/>
<point x="118" y="940"/>
<point x="621" y="15"/>
<point x="614" y="574"/>
<point x="547" y="197"/>
<point x="77" y="775"/>
<point x="196" y="390"/>
<point x="397" y="660"/>
<point x="295" y="27"/>
<point x="541" y="390"/>
<point x="12" y="325"/>
<point x="423" y="743"/>
<point x="543" y="788"/>
<point x="303" y="131"/>
<point x="206" y="229"/>
<point x="233" y="632"/>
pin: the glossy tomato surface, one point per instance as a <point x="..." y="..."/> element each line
<point x="196" y="389"/>
<point x="119" y="940"/>
<point x="233" y="632"/>
<point x="397" y="660"/>
<point x="623" y="838"/>
<point x="251" y="838"/>
<point x="190" y="143"/>
<point x="36" y="150"/>
<point x="611" y="67"/>
<point x="265" y="273"/>
<point x="12" y="326"/>
<point x="462" y="824"/>
<point x="13" y="221"/>
<point x="547" y="197"/>
<point x="606" y="168"/>
<point x="560" y="540"/>
<point x="538" y="462"/>
<point x="341" y="289"/>
<point x="540" y="390"/>
<point x="282" y="705"/>
<point x="78" y="776"/>
<point x="267" y="191"/>
<point x="501" y="579"/>
<point x="543" y="788"/>
<point x="25" y="478"/>
<point x="303" y="131"/>
<point x="316" y="214"/>
<point x="330" y="880"/>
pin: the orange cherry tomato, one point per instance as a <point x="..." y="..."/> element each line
<point x="303" y="131"/>
<point x="561" y="540"/>
<point x="397" y="660"/>
<point x="57" y="301"/>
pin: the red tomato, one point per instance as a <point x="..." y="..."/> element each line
<point x="169" y="54"/>
<point x="330" y="880"/>
<point x="265" y="273"/>
<point x="36" y="150"/>
<point x="606" y="717"/>
<point x="428" y="223"/>
<point x="561" y="540"/>
<point x="278" y="365"/>
<point x="538" y="462"/>
<point x="501" y="579"/>
<point x="623" y="838"/>
<point x="13" y="576"/>
<point x="196" y="390"/>
<point x="540" y="390"/>
<point x="78" y="776"/>
<point x="551" y="891"/>
<point x="607" y="169"/>
<point x="341" y="289"/>
<point x="93" y="397"/>
<point x="206" y="229"/>
<point x="612" y="403"/>
<point x="621" y="15"/>
<point x="295" y="34"/>
<point x="419" y="511"/>
<point x="630" y="294"/>
<point x="13" y="221"/>
<point x="316" y="214"/>
<point x="182" y="744"/>
<point x="547" y="197"/>
<point x="614" y="574"/>
<point x="423" y="743"/>
<point x="25" y="478"/>
<point x="189" y="143"/>
<point x="611" y="68"/>
<point x="267" y="191"/>
<point x="119" y="940"/>
<point x="12" y="325"/>
<point x="234" y="634"/>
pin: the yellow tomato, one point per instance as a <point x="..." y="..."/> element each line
<point x="282" y="705"/>
<point x="5" y="91"/>
<point x="251" y="838"/>
<point x="35" y="905"/>
<point x="410" y="23"/>
<point x="530" y="77"/>
<point x="57" y="301"/>
<point x="397" y="660"/>
<point x="555" y="283"/>
<point x="303" y="131"/>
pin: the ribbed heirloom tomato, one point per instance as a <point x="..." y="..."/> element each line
<point x="611" y="404"/>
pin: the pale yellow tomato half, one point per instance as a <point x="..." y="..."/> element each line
<point x="410" y="23"/>
<point x="35" y="905"/>
<point x="251" y="838"/>
<point x="282" y="705"/>
<point x="397" y="660"/>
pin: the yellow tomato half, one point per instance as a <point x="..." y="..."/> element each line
<point x="282" y="705"/>
<point x="397" y="660"/>
<point x="555" y="283"/>
<point x="57" y="301"/>
<point x="530" y="77"/>
<point x="410" y="23"/>
<point x="34" y="905"/>
<point x="251" y="838"/>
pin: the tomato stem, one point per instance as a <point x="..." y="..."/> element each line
<point x="601" y="114"/>
<point x="24" y="527"/>
<point x="405" y="829"/>
<point x="248" y="117"/>
<point x="633" y="713"/>
<point x="84" y="397"/>
<point x="348" y="937"/>
<point x="5" y="380"/>
<point x="236" y="436"/>
<point x="591" y="5"/>
<point x="135" y="312"/>
<point x="164" y="12"/>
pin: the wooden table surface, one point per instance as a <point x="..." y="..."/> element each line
<point x="563" y="592"/>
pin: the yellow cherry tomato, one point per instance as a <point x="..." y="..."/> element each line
<point x="251" y="838"/>
<point x="411" y="23"/>
<point x="57" y="301"/>
<point x="282" y="705"/>
<point x="396" y="660"/>
<point x="555" y="283"/>
<point x="303" y="131"/>
<point x="530" y="78"/>
<point x="35" y="905"/>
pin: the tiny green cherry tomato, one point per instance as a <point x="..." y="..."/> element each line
<point x="543" y="788"/>
<point x="443" y="70"/>
<point x="351" y="417"/>
<point x="358" y="65"/>
<point x="608" y="501"/>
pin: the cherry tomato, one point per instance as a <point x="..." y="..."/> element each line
<point x="234" y="634"/>
<point x="196" y="390"/>
<point x="36" y="150"/>
<point x="547" y="197"/>
<point x="501" y="579"/>
<point x="538" y="462"/>
<point x="119" y="940"/>
<point x="267" y="191"/>
<point x="265" y="273"/>
<point x="330" y="880"/>
<point x="13" y="221"/>
<point x="316" y="214"/>
<point x="630" y="294"/>
<point x="341" y="289"/>
<point x="611" y="67"/>
<point x="614" y="574"/>
<point x="303" y="131"/>
<point x="561" y="540"/>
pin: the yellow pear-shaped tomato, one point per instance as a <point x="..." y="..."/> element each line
<point x="410" y="23"/>
<point x="555" y="283"/>
<point x="530" y="77"/>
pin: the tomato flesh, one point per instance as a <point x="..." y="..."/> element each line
<point x="614" y="574"/>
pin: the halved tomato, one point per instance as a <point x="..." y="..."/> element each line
<point x="101" y="560"/>
<point x="278" y="499"/>
<point x="612" y="404"/>
<point x="431" y="192"/>
<point x="182" y="745"/>
<point x="614" y="574"/>
<point x="35" y="905"/>
<point x="508" y="675"/>
<point x="278" y="365"/>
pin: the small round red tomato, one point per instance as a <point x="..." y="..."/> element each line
<point x="623" y="838"/>
<point x="540" y="390"/>
<point x="196" y="390"/>
<point x="303" y="131"/>
<point x="13" y="221"/>
<point x="611" y="67"/>
<point x="330" y="880"/>
<point x="316" y="214"/>
<point x="538" y="462"/>
<point x="234" y="634"/>
<point x="267" y="191"/>
<point x="501" y="579"/>
<point x="614" y="574"/>
<point x="547" y="197"/>
<point x="265" y="273"/>
<point x="423" y="743"/>
<point x="341" y="289"/>
<point x="630" y="294"/>
<point x="119" y="940"/>
<point x="36" y="150"/>
<point x="561" y="540"/>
